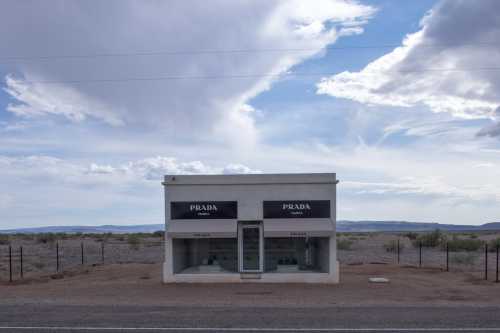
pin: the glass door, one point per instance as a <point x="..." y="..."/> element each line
<point x="251" y="248"/>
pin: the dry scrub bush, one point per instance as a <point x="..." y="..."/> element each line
<point x="134" y="241"/>
<point x="392" y="246"/>
<point x="460" y="244"/>
<point x="46" y="238"/>
<point x="411" y="235"/>
<point x="344" y="244"/>
<point x="4" y="240"/>
<point x="493" y="244"/>
<point x="463" y="258"/>
<point x="431" y="239"/>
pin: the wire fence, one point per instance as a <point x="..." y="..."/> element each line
<point x="26" y="260"/>
<point x="482" y="262"/>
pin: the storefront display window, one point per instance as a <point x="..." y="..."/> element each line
<point x="296" y="255"/>
<point x="205" y="255"/>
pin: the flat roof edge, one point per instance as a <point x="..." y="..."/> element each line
<point x="251" y="179"/>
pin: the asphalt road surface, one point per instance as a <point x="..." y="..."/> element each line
<point x="62" y="318"/>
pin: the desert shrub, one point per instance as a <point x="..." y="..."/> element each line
<point x="134" y="241"/>
<point x="120" y="238"/>
<point x="158" y="233"/>
<point x="95" y="235"/>
<point x="392" y="246"/>
<point x="463" y="258"/>
<point x="4" y="240"/>
<point x="26" y="237"/>
<point x="39" y="265"/>
<point x="344" y="244"/>
<point x="431" y="239"/>
<point x="62" y="235"/>
<point x="492" y="244"/>
<point x="464" y="244"/>
<point x="411" y="235"/>
<point x="46" y="238"/>
<point x="104" y="237"/>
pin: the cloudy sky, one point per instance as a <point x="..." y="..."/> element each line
<point x="99" y="99"/>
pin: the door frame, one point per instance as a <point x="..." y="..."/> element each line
<point x="248" y="225"/>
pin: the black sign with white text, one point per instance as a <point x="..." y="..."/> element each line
<point x="196" y="210"/>
<point x="296" y="209"/>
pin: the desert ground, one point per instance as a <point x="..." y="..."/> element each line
<point x="125" y="297"/>
<point x="140" y="284"/>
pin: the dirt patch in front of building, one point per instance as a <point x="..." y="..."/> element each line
<point x="140" y="284"/>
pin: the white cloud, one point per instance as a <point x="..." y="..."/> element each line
<point x="155" y="168"/>
<point x="43" y="190"/>
<point x="47" y="169"/>
<point x="485" y="165"/>
<point x="376" y="182"/>
<point x="492" y="130"/>
<point x="38" y="168"/>
<point x="6" y="201"/>
<point x="238" y="169"/>
<point x="430" y="186"/>
<point x="451" y="37"/>
<point x="36" y="100"/>
<point x="208" y="109"/>
<point x="100" y="169"/>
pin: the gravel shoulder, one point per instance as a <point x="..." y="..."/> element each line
<point x="139" y="284"/>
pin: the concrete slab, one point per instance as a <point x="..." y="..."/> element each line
<point x="378" y="280"/>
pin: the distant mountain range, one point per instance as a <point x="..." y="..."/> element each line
<point x="371" y="226"/>
<point x="342" y="226"/>
<point x="100" y="229"/>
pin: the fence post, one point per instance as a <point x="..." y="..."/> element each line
<point x="102" y="252"/>
<point x="57" y="257"/>
<point x="447" y="257"/>
<point x="82" y="254"/>
<point x="394" y="250"/>
<point x="420" y="254"/>
<point x="398" y="251"/>
<point x="496" y="280"/>
<point x="10" y="263"/>
<point x="486" y="262"/>
<point x="21" y="261"/>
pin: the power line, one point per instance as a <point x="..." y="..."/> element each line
<point x="228" y="51"/>
<point x="249" y="76"/>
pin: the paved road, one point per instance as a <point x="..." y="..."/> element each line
<point x="59" y="318"/>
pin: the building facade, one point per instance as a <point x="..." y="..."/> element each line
<point x="250" y="228"/>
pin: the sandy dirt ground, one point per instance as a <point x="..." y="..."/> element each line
<point x="136" y="284"/>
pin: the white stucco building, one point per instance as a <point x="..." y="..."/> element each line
<point x="255" y="228"/>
